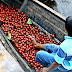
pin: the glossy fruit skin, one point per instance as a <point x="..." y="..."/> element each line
<point x="16" y="24"/>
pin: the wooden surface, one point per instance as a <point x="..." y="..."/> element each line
<point x="50" y="9"/>
<point x="7" y="62"/>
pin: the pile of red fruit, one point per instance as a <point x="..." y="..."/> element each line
<point x="16" y="25"/>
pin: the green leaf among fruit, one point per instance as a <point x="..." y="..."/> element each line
<point x="29" y="21"/>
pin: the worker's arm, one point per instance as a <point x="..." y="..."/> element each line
<point x="46" y="47"/>
<point x="40" y="46"/>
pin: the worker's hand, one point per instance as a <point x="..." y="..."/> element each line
<point x="32" y="39"/>
<point x="35" y="46"/>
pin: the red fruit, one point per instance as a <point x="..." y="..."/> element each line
<point x="33" y="56"/>
<point x="53" y="35"/>
<point x="53" y="40"/>
<point x="36" y="64"/>
<point x="38" y="28"/>
<point x="20" y="51"/>
<point x="38" y="67"/>
<point x="49" y="38"/>
<point x="41" y="65"/>
<point x="22" y="13"/>
<point x="31" y="47"/>
<point x="33" y="61"/>
<point x="30" y="60"/>
<point x="50" y="34"/>
<point x="32" y="64"/>
<point x="35" y="68"/>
